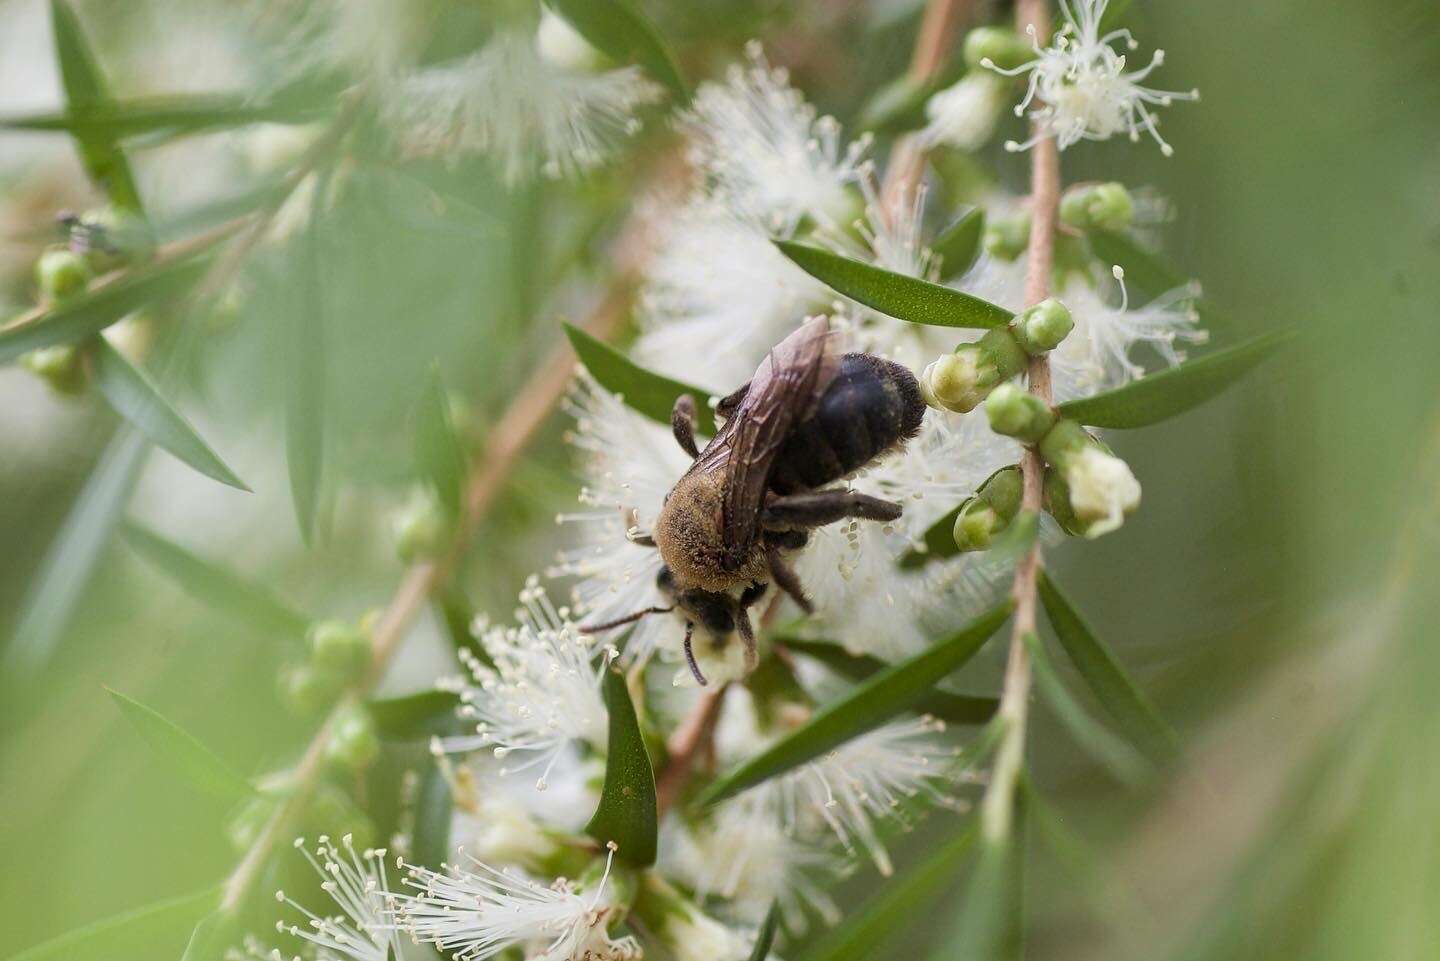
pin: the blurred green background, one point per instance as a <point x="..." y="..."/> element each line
<point x="1264" y="593"/>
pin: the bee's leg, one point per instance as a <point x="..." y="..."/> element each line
<point x="816" y="509"/>
<point x="747" y="634"/>
<point x="751" y="594"/>
<point x="787" y="579"/>
<point x="682" y="424"/>
<point x="729" y="402"/>
<point x="690" y="655"/>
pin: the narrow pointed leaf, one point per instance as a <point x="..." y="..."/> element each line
<point x="457" y="614"/>
<point x="643" y="391"/>
<point x="952" y="708"/>
<point x="415" y="716"/>
<point x="906" y="298"/>
<point x="433" y="806"/>
<point x="216" y="587"/>
<point x="1102" y="671"/>
<point x="438" y="451"/>
<point x="216" y="934"/>
<point x="1110" y="750"/>
<point x="85" y="88"/>
<point x="627" y="814"/>
<point x="765" y="937"/>
<point x="1163" y="395"/>
<point x="100" y="307"/>
<point x="196" y="762"/>
<point x="178" y="113"/>
<point x="987" y="925"/>
<point x="864" y="933"/>
<point x="959" y="244"/>
<point x="135" y="397"/>
<point x="136" y="934"/>
<point x="305" y="393"/>
<point x="894" y="690"/>
<point x="74" y="554"/>
<point x="622" y="32"/>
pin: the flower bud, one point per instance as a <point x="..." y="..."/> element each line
<point x="1101" y="488"/>
<point x="421" y="528"/>
<point x="1042" y="327"/>
<point x="990" y="511"/>
<point x="993" y="46"/>
<point x="1105" y="206"/>
<point x="353" y="742"/>
<point x="1015" y="412"/>
<point x="338" y="648"/>
<point x="61" y="274"/>
<point x="1007" y="237"/>
<point x="961" y="380"/>
<point x="307" y="691"/>
<point x="1057" y="502"/>
<point x="58" y="366"/>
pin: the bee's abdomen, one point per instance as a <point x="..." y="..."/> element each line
<point x="872" y="406"/>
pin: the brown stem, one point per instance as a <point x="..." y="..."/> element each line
<point x="687" y="745"/>
<point x="999" y="802"/>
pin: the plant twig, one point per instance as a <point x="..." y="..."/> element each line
<point x="690" y="741"/>
<point x="998" y="804"/>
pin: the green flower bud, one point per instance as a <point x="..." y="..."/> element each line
<point x="353" y="742"/>
<point x="1015" y="412"/>
<point x="1042" y="327"/>
<point x="61" y="274"/>
<point x="961" y="380"/>
<point x="1007" y="237"/>
<point x="307" y="690"/>
<point x="1057" y="502"/>
<point x="110" y="238"/>
<point x="992" y="46"/>
<point x="58" y="366"/>
<point x="338" y="647"/>
<point x="1100" y="487"/>
<point x="1104" y="206"/>
<point x="421" y="528"/>
<point x="1065" y="439"/>
<point x="990" y="511"/>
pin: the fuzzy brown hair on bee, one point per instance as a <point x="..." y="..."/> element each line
<point x="811" y="416"/>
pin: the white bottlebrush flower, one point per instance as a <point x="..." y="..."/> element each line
<point x="543" y="693"/>
<point x="964" y="115"/>
<point x="526" y="113"/>
<point x="1102" y="489"/>
<point x="764" y="153"/>
<point x="475" y="912"/>
<point x="356" y="882"/>
<point x="1084" y="89"/>
<point x="492" y="824"/>
<point x="692" y="935"/>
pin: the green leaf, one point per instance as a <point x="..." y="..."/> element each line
<point x="1016" y="540"/>
<point x="648" y="393"/>
<point x="989" y="920"/>
<point x="1112" y="687"/>
<point x="952" y="708"/>
<point x="897" y="106"/>
<point x="101" y="306"/>
<point x="627" y="814"/>
<point x="216" y="933"/>
<point x="85" y="89"/>
<point x="415" y="716"/>
<point x="864" y="933"/>
<point x="135" y="397"/>
<point x="141" y="933"/>
<point x="1146" y="272"/>
<point x="1163" y="395"/>
<point x="179" y="113"/>
<point x="623" y="33"/>
<point x="907" y="298"/>
<point x="894" y="690"/>
<point x="1116" y="754"/>
<point x="430" y="845"/>
<point x="1113" y="14"/>
<point x="765" y="937"/>
<point x="457" y="614"/>
<point x="959" y="244"/>
<point x="216" y="587"/>
<point x="438" y="451"/>
<point x="196" y="762"/>
<point x="305" y="388"/>
<point x="74" y="554"/>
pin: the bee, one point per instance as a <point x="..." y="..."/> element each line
<point x="811" y="416"/>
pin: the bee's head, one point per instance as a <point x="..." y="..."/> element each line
<point x="709" y="609"/>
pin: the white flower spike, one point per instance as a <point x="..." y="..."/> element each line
<point x="356" y="883"/>
<point x="1083" y="87"/>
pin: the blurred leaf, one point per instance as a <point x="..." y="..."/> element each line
<point x="1113" y="13"/>
<point x="438" y="450"/>
<point x="953" y="708"/>
<point x="765" y="937"/>
<point x="1113" y="688"/>
<point x="135" y="397"/>
<point x="216" y="934"/>
<point x="457" y="614"/>
<point x="627" y="812"/>
<point x="196" y="762"/>
<point x="71" y="559"/>
<point x="415" y="716"/>
<point x="101" y="306"/>
<point x="623" y="33"/>
<point x="1016" y="540"/>
<point x="305" y="394"/>
<point x="216" y="587"/>
<point x="891" y="691"/>
<point x="901" y="901"/>
<point x="641" y="390"/>
<point x="85" y="89"/>
<point x="1145" y="270"/>
<point x="1114" y="753"/>
<point x="141" y="932"/>
<point x="898" y="106"/>
<point x="179" y="113"/>
<point x="906" y="298"/>
<point x="987" y="927"/>
<point x="433" y="806"/>
<point x="959" y="244"/>
<point x="1159" y="396"/>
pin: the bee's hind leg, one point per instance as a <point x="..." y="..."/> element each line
<point x="682" y="424"/>
<point x="786" y="579"/>
<point x="818" y="508"/>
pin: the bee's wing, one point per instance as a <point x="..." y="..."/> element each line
<point x="784" y="390"/>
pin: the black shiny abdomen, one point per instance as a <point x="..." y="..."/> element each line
<point x="870" y="407"/>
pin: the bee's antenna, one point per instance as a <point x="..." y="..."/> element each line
<point x="747" y="634"/>
<point x="621" y="621"/>
<point x="690" y="655"/>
